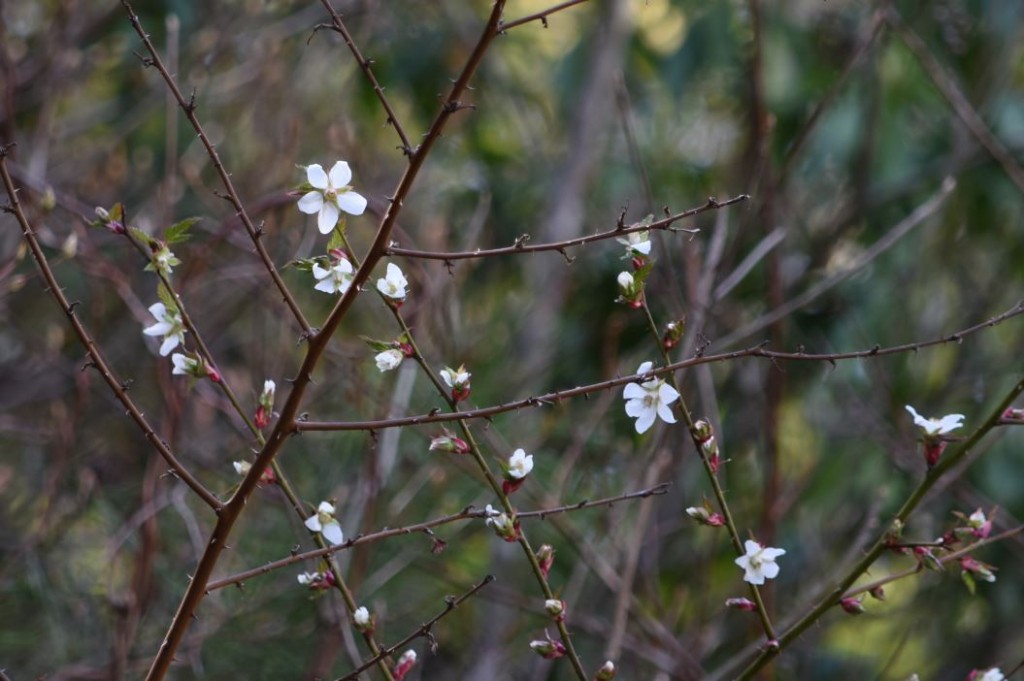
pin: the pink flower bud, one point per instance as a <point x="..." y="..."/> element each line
<point x="744" y="604"/>
<point x="447" y="442"/>
<point x="548" y="648"/>
<point x="261" y="418"/>
<point x="927" y="558"/>
<point x="933" y="451"/>
<point x="546" y="558"/>
<point x="878" y="593"/>
<point x="406" y="662"/>
<point x="852" y="606"/>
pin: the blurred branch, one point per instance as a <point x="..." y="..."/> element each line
<point x="520" y="245"/>
<point x="892" y="236"/>
<point x="955" y="97"/>
<point x="466" y="514"/>
<point x="338" y="26"/>
<point x="189" y="108"/>
<point x="120" y="388"/>
<point x="559" y="395"/>
<point x="542" y="15"/>
<point x="424" y="629"/>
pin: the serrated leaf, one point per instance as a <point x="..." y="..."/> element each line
<point x="337" y="239"/>
<point x="166" y="297"/>
<point x="178" y="232"/>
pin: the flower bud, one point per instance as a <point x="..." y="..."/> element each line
<point x="978" y="569"/>
<point x="744" y="604"/>
<point x="852" y="606"/>
<point x="705" y="516"/>
<point x="546" y="558"/>
<point x="926" y="558"/>
<point x="548" y="648"/>
<point x="555" y="608"/>
<point x="317" y="581"/>
<point x="1012" y="415"/>
<point x="673" y="334"/>
<point x="505" y="527"/>
<point x="406" y="662"/>
<point x="266" y="405"/>
<point x="933" y="451"/>
<point x="703" y="431"/>
<point x="606" y="672"/>
<point x="878" y="593"/>
<point x="449" y="443"/>
<point x="631" y="289"/>
<point x="458" y="381"/>
<point x="363" y="621"/>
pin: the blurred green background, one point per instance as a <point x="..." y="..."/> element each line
<point x="821" y="111"/>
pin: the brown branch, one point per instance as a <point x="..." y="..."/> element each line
<point x="316" y="346"/>
<point x="465" y="514"/>
<point x="520" y="245"/>
<point x="542" y="15"/>
<point x="338" y="26"/>
<point x="189" y="108"/>
<point x="559" y="395"/>
<point x="424" y="629"/>
<point x="97" y="360"/>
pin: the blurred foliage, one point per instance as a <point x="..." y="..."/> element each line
<point x="97" y="541"/>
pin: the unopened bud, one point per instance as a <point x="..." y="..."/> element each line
<point x="606" y="672"/>
<point x="448" y="443"/>
<point x="878" y="593"/>
<point x="744" y="604"/>
<point x="673" y="334"/>
<point x="406" y="662"/>
<point x="555" y="608"/>
<point x="928" y="559"/>
<point x="705" y="516"/>
<point x="852" y="606"/>
<point x="546" y="558"/>
<point x="548" y="648"/>
<point x="362" y="619"/>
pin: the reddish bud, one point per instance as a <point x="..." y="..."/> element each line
<point x="406" y="662"/>
<point x="744" y="604"/>
<point x="509" y="486"/>
<point x="852" y="606"/>
<point x="878" y="593"/>
<point x="933" y="452"/>
<point x="546" y="558"/>
<point x="261" y="418"/>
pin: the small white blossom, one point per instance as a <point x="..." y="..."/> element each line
<point x="994" y="674"/>
<point x="625" y="280"/>
<point x="269" y="388"/>
<point x="361" y="617"/>
<point x="393" y="285"/>
<point x="636" y="243"/>
<point x="455" y="378"/>
<point x="645" y="401"/>
<point x="934" y="427"/>
<point x="335" y="279"/>
<point x="389" y="359"/>
<point x="324" y="522"/>
<point x="759" y="562"/>
<point x="184" y="365"/>
<point x="241" y="467"/>
<point x="331" y="194"/>
<point x="169" y="325"/>
<point x="520" y="464"/>
<point x="307" y="578"/>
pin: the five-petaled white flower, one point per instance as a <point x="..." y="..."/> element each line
<point x="335" y="279"/>
<point x="520" y="464"/>
<point x="934" y="427"/>
<point x="393" y="285"/>
<point x="645" y="401"/>
<point x="636" y="243"/>
<point x="331" y="194"/>
<point x="169" y="325"/>
<point x="389" y="359"/>
<point x="324" y="522"/>
<point x="759" y="562"/>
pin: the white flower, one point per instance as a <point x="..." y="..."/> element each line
<point x="269" y="387"/>
<point x="520" y="464"/>
<point x="241" y="467"/>
<point x="184" y="365"/>
<point x="323" y="521"/>
<point x="455" y="378"/>
<point x="636" y="243"/>
<point x="331" y="194"/>
<point x="169" y="325"/>
<point x="361" y="617"/>
<point x="336" y="279"/>
<point x="393" y="285"/>
<point x="307" y="578"/>
<point x="389" y="359"/>
<point x="934" y="427"/>
<point x="625" y="280"/>
<point x="651" y="398"/>
<point x="994" y="674"/>
<point x="759" y="562"/>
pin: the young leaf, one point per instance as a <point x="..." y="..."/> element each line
<point x="178" y="232"/>
<point x="166" y="297"/>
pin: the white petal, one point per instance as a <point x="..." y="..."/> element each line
<point x="158" y="310"/>
<point x="327" y="218"/>
<point x="325" y="507"/>
<point x="918" y="419"/>
<point x="645" y="367"/>
<point x="332" y="533"/>
<point x="636" y="408"/>
<point x="950" y="422"/>
<point x="316" y="176"/>
<point x="751" y="546"/>
<point x="667" y="394"/>
<point x="313" y="523"/>
<point x="643" y="247"/>
<point x="311" y="203"/>
<point x="340" y="174"/>
<point x="320" y="272"/>
<point x="352" y="202"/>
<point x="645" y="421"/>
<point x="327" y="286"/>
<point x="633" y="391"/>
<point x="754" y="577"/>
<point x="770" y="570"/>
<point x="665" y="412"/>
<point x="170" y="342"/>
<point x="158" y="329"/>
<point x="772" y="554"/>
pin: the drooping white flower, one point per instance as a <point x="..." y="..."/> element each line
<point x="647" y="400"/>
<point x="169" y="325"/>
<point x="393" y="285"/>
<point x="389" y="359"/>
<point x="335" y="279"/>
<point x="520" y="464"/>
<point x="455" y="378"/>
<point x="759" y="562"/>
<point x="636" y="243"/>
<point x="184" y="365"/>
<point x="331" y="194"/>
<point x="324" y="522"/>
<point x="935" y="427"/>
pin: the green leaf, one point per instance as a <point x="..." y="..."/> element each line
<point x="377" y="345"/>
<point x="178" y="232"/>
<point x="306" y="264"/>
<point x="166" y="297"/>
<point x="138" y="234"/>
<point x="116" y="212"/>
<point x="337" y="239"/>
<point x="968" y="580"/>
